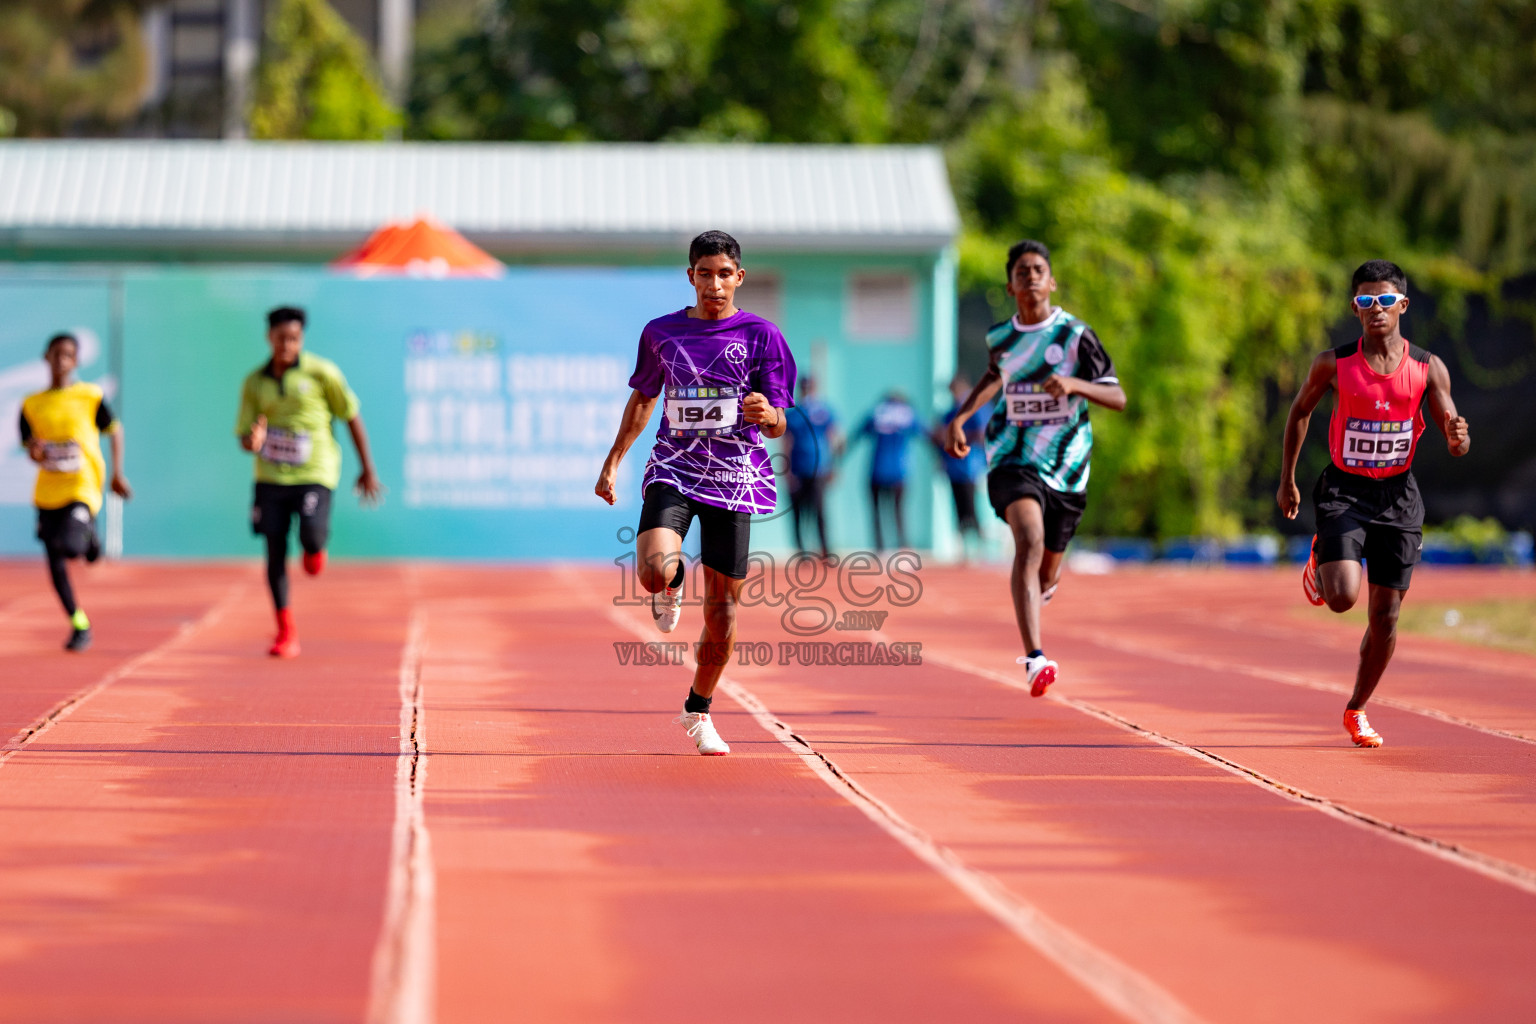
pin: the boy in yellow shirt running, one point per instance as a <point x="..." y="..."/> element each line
<point x="61" y="429"/>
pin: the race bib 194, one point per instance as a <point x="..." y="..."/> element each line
<point x="703" y="412"/>
<point x="1377" y="444"/>
<point x="1030" y="405"/>
<point x="287" y="447"/>
<point x="61" y="457"/>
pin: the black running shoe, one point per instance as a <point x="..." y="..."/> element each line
<point x="79" y="640"/>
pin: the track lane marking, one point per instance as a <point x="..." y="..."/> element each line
<point x="403" y="986"/>
<point x="1489" y="867"/>
<point x="1436" y="651"/>
<point x="64" y="708"/>
<point x="1117" y="985"/>
<point x="1286" y="678"/>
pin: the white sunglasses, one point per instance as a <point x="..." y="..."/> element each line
<point x="1387" y="300"/>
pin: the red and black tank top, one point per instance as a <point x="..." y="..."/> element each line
<point x="1378" y="417"/>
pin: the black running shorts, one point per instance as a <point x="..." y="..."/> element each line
<point x="724" y="535"/>
<point x="67" y="530"/>
<point x="1062" y="509"/>
<point x="275" y="505"/>
<point x="1381" y="521"/>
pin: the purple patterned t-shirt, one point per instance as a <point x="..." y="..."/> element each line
<point x="703" y="370"/>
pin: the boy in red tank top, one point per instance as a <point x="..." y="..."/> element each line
<point x="1367" y="501"/>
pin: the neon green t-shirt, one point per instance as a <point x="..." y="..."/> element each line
<point x="300" y="409"/>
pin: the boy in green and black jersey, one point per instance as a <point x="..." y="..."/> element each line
<point x="1049" y="366"/>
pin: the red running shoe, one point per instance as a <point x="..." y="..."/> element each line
<point x="1360" y="730"/>
<point x="1039" y="674"/>
<point x="1309" y="585"/>
<point x="286" y="645"/>
<point x="314" y="562"/>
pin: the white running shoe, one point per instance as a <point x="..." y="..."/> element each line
<point x="1039" y="673"/>
<point x="667" y="608"/>
<point x="702" y="732"/>
<point x="1048" y="593"/>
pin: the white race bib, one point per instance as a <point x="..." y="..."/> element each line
<point x="1030" y="405"/>
<point x="62" y="457"/>
<point x="287" y="447"/>
<point x="1377" y="444"/>
<point x="703" y="412"/>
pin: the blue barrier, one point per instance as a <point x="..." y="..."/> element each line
<point x="1253" y="551"/>
<point x="1192" y="549"/>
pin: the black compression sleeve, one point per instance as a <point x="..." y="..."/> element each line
<point x="58" y="569"/>
<point x="277" y="568"/>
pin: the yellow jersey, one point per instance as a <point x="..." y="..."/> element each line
<point x="69" y="421"/>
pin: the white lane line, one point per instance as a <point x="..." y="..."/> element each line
<point x="67" y="706"/>
<point x="1117" y="985"/>
<point x="1146" y="650"/>
<point x="403" y="989"/>
<point x="1490" y="867"/>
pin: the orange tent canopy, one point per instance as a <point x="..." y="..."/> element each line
<point x="419" y="248"/>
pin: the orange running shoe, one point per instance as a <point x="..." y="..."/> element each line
<point x="1309" y="585"/>
<point x="1360" y="730"/>
<point x="286" y="645"/>
<point x="315" y="562"/>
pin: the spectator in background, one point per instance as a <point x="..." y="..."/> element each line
<point x="814" y="444"/>
<point x="892" y="424"/>
<point x="964" y="472"/>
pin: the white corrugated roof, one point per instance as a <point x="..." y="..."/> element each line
<point x="503" y="195"/>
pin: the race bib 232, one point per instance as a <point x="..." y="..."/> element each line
<point x="1030" y="405"/>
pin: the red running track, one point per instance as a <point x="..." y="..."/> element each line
<point x="459" y="805"/>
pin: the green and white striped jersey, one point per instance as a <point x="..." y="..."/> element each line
<point x="1030" y="427"/>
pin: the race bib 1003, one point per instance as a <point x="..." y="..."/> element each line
<point x="287" y="447"/>
<point x="704" y="411"/>
<point x="62" y="457"/>
<point x="1030" y="405"/>
<point x="1377" y="444"/>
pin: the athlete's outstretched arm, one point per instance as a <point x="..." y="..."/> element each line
<point x="1457" y="438"/>
<point x="1110" y="396"/>
<point x="368" y="487"/>
<point x="954" y="434"/>
<point x="1318" y="383"/>
<point x="119" y="481"/>
<point x="637" y="413"/>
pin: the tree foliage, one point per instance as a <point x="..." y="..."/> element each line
<point x="649" y="69"/>
<point x="68" y="65"/>
<point x="315" y="80"/>
<point x="1206" y="171"/>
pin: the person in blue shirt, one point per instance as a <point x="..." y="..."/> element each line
<point x="964" y="472"/>
<point x="814" y="444"/>
<point x="892" y="423"/>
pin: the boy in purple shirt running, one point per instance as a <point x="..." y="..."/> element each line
<point x="727" y="377"/>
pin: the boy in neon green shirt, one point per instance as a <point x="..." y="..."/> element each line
<point x="287" y="410"/>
